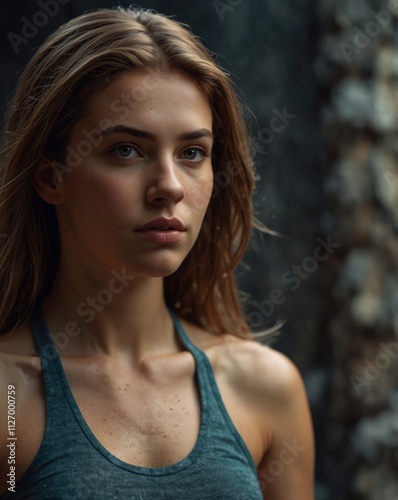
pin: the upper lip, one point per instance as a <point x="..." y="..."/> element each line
<point x="163" y="222"/>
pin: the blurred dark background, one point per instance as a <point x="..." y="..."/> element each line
<point x="321" y="79"/>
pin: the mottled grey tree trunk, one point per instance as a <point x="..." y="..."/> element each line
<point x="358" y="70"/>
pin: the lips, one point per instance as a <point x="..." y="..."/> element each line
<point x="162" y="231"/>
<point x="163" y="224"/>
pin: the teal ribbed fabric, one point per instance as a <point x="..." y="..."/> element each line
<point x="71" y="463"/>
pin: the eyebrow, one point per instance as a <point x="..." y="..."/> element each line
<point x="135" y="132"/>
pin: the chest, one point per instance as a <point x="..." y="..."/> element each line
<point x="151" y="419"/>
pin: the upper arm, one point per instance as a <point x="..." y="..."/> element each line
<point x="286" y="471"/>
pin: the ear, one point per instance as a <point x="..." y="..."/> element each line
<point x="47" y="181"/>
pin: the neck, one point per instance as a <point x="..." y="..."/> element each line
<point x="109" y="313"/>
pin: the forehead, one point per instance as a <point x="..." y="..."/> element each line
<point x="147" y="96"/>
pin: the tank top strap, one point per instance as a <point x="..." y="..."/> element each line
<point x="197" y="353"/>
<point x="221" y="420"/>
<point x="203" y="365"/>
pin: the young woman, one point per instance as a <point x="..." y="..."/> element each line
<point x="127" y="369"/>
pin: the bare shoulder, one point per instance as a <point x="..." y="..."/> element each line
<point x="22" y="387"/>
<point x="10" y="357"/>
<point x="252" y="368"/>
<point x="20" y="368"/>
<point x="19" y="361"/>
<point x="272" y="386"/>
<point x="16" y="346"/>
<point x="266" y="371"/>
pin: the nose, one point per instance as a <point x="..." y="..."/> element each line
<point x="165" y="187"/>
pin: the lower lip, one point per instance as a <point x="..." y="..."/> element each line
<point x="161" y="236"/>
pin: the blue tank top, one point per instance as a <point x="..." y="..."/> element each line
<point x="71" y="464"/>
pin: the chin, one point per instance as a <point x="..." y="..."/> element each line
<point x="157" y="269"/>
<point x="163" y="271"/>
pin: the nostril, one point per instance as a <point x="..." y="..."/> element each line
<point x="163" y="192"/>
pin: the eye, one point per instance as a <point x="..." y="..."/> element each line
<point x="194" y="154"/>
<point x="125" y="152"/>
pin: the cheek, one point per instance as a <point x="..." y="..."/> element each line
<point x="200" y="194"/>
<point x="100" y="192"/>
<point x="93" y="205"/>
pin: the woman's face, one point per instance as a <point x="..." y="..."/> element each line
<point x="138" y="175"/>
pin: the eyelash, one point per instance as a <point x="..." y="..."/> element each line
<point x="203" y="151"/>
<point x="115" y="149"/>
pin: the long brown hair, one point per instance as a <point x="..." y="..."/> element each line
<point x="75" y="62"/>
